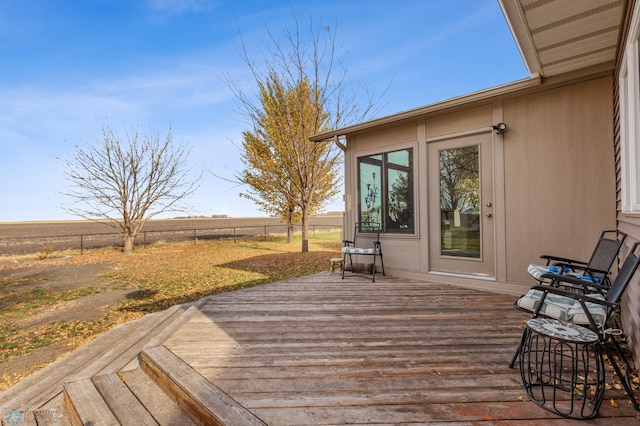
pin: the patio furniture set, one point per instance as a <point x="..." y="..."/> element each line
<point x="574" y="326"/>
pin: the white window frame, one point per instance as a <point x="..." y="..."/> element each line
<point x="629" y="104"/>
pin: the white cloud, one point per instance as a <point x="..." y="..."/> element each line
<point x="162" y="10"/>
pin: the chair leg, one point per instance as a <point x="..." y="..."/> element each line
<point x="382" y="262"/>
<point x="624" y="377"/>
<point x="344" y="263"/>
<point x="373" y="277"/>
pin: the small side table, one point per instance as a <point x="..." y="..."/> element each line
<point x="562" y="368"/>
<point x="335" y="262"/>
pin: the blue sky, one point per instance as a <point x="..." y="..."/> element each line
<point x="69" y="66"/>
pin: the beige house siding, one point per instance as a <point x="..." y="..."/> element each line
<point x="559" y="173"/>
<point x="457" y="122"/>
<point x="626" y="223"/>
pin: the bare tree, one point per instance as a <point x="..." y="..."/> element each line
<point x="302" y="90"/>
<point x="125" y="182"/>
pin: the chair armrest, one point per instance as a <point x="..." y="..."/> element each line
<point x="347" y="242"/>
<point x="568" y="279"/>
<point x="575" y="296"/>
<point x="582" y="270"/>
<point x="562" y="260"/>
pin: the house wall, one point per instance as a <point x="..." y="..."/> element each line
<point x="559" y="175"/>
<point x="456" y="122"/>
<point x="554" y="178"/>
<point x="630" y="224"/>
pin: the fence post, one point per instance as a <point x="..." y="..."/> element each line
<point x="81" y="244"/>
<point x="144" y="238"/>
<point x="195" y="238"/>
<point x="234" y="234"/>
<point x="265" y="232"/>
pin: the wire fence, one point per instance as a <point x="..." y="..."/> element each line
<point x="88" y="241"/>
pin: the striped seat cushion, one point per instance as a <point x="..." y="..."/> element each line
<point x="537" y="271"/>
<point x="357" y="250"/>
<point x="564" y="308"/>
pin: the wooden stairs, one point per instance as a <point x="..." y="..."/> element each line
<point x="125" y="377"/>
<point x="163" y="390"/>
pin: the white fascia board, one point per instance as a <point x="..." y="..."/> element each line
<point x="514" y="15"/>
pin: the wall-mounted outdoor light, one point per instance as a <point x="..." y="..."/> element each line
<point x="500" y="128"/>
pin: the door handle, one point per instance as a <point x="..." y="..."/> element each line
<point x="488" y="214"/>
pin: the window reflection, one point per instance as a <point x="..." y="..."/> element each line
<point x="460" y="202"/>
<point x="386" y="190"/>
<point x="370" y="186"/>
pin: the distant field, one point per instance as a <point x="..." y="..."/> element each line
<point x="32" y="237"/>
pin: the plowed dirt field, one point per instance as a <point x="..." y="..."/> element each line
<point x="17" y="238"/>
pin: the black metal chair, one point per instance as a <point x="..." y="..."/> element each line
<point x="361" y="245"/>
<point x="595" y="270"/>
<point x="592" y="310"/>
<point x="578" y="276"/>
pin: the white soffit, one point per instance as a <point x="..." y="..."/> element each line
<point x="558" y="36"/>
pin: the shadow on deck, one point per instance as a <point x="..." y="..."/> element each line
<point x="313" y="350"/>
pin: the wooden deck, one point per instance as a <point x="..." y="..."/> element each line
<point x="310" y="351"/>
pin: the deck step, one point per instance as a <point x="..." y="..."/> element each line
<point x="162" y="391"/>
<point x="162" y="406"/>
<point x="111" y="352"/>
<point x="205" y="402"/>
<point x="122" y="402"/>
<point x="84" y="405"/>
<point x="129" y="398"/>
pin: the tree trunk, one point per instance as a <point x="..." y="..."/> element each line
<point x="128" y="244"/>
<point x="289" y="233"/>
<point x="305" y="232"/>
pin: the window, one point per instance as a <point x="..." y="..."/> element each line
<point x="629" y="98"/>
<point x="386" y="190"/>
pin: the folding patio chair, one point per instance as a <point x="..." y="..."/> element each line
<point x="593" y="310"/>
<point x="361" y="246"/>
<point x="595" y="270"/>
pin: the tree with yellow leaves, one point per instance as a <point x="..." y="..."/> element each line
<point x="299" y="95"/>
<point x="287" y="174"/>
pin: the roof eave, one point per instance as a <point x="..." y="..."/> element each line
<point x="412" y="114"/>
<point x="514" y="15"/>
